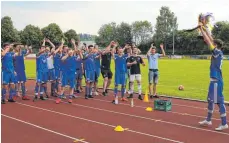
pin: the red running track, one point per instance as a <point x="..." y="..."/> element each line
<point x="94" y="121"/>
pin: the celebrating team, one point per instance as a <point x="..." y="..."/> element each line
<point x="62" y="66"/>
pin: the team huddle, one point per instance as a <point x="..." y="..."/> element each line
<point x="63" y="66"/>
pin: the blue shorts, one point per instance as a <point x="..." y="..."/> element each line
<point x="79" y="74"/>
<point x="8" y="77"/>
<point x="90" y="76"/>
<point x="42" y="77"/>
<point x="57" y="74"/>
<point x="215" y="92"/>
<point x="120" y="78"/>
<point x="20" y="77"/>
<point x="51" y="75"/>
<point x="68" y="79"/>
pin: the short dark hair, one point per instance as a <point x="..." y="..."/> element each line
<point x="16" y="44"/>
<point x="6" y="44"/>
<point x="219" y="43"/>
<point x="90" y="46"/>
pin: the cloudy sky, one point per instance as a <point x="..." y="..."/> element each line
<point x="88" y="16"/>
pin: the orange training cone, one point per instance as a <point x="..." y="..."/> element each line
<point x="146" y="98"/>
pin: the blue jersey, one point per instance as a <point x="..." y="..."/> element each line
<point x="216" y="64"/>
<point x="57" y="61"/>
<point x="19" y="61"/>
<point x="7" y="62"/>
<point x="70" y="65"/>
<point x="97" y="61"/>
<point x="89" y="62"/>
<point x="42" y="63"/>
<point x="79" y="63"/>
<point x="120" y="63"/>
<point x="62" y="64"/>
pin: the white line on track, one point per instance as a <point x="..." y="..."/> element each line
<point x="179" y="113"/>
<point x="146" y="118"/>
<point x="45" y="129"/>
<point x="76" y="117"/>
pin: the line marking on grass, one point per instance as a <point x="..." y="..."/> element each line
<point x="97" y="122"/>
<point x="141" y="117"/>
<point x="45" y="129"/>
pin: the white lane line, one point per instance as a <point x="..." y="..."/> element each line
<point x="45" y="129"/>
<point x="146" y="118"/>
<point x="100" y="123"/>
<point x="179" y="113"/>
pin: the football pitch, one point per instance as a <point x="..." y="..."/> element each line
<point x="192" y="74"/>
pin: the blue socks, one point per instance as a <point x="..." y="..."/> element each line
<point x="12" y="93"/>
<point x="116" y="90"/>
<point x="123" y="91"/>
<point x="36" y="89"/>
<point x="3" y="93"/>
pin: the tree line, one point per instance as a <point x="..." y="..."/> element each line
<point x="33" y="35"/>
<point x="142" y="33"/>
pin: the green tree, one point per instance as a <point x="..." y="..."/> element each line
<point x="8" y="32"/>
<point x="107" y="33"/>
<point x="31" y="35"/>
<point x="123" y="33"/>
<point x="141" y="31"/>
<point x="70" y="34"/>
<point x="53" y="33"/>
<point x="165" y="25"/>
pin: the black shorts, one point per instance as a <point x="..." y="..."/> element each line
<point x="106" y="73"/>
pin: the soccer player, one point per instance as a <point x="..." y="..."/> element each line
<point x="120" y="73"/>
<point x="79" y="75"/>
<point x="89" y="66"/>
<point x="20" y="68"/>
<point x="69" y="72"/>
<point x="50" y="64"/>
<point x="97" y="68"/>
<point x="153" y="68"/>
<point x="57" y="64"/>
<point x="105" y="68"/>
<point x="42" y="72"/>
<point x="134" y="62"/>
<point x="8" y="73"/>
<point x="129" y="52"/>
<point x="215" y="92"/>
<point x="63" y="67"/>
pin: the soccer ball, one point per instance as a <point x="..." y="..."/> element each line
<point x="181" y="87"/>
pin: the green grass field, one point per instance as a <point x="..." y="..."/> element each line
<point x="192" y="74"/>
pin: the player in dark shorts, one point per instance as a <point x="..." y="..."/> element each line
<point x="105" y="68"/>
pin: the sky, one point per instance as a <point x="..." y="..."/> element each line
<point x="89" y="16"/>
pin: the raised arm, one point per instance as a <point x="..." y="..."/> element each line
<point x="149" y="51"/>
<point x="3" y="53"/>
<point x="52" y="45"/>
<point x="74" y="45"/>
<point x="206" y="39"/>
<point x="108" y="48"/>
<point x="162" y="50"/>
<point x="29" y="50"/>
<point x="43" y="44"/>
